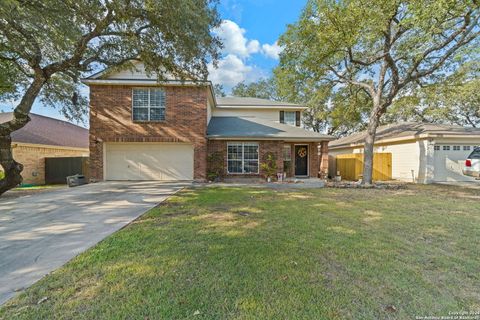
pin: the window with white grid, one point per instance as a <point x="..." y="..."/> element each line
<point x="242" y="157"/>
<point x="148" y="104"/>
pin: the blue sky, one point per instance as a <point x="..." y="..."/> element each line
<point x="250" y="29"/>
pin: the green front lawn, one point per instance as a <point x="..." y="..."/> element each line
<point x="238" y="253"/>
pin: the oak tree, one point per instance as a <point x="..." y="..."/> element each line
<point x="384" y="47"/>
<point x="454" y="100"/>
<point x="47" y="46"/>
<point x="263" y="89"/>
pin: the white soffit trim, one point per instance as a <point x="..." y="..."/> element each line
<point x="298" y="140"/>
<point x="409" y="138"/>
<point x="145" y="82"/>
<point x="261" y="107"/>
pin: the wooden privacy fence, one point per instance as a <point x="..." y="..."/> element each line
<point x="58" y="169"/>
<point x="350" y="166"/>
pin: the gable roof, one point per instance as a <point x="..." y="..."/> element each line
<point x="138" y="76"/>
<point x="48" y="131"/>
<point x="137" y="72"/>
<point x="253" y="102"/>
<point x="256" y="128"/>
<point x="406" y="131"/>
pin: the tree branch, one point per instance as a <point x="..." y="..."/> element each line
<point x="369" y="88"/>
<point x="81" y="46"/>
<point x="466" y="28"/>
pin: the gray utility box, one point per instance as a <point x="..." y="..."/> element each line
<point x="76" y="180"/>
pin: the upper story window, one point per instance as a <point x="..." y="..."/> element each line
<point x="290" y="117"/>
<point x="148" y="104"/>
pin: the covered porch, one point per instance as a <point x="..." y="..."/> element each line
<point x="242" y="146"/>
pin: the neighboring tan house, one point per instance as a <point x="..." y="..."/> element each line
<point x="144" y="130"/>
<point x="421" y="152"/>
<point x="44" y="137"/>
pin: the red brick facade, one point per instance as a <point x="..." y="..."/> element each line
<point x="111" y="121"/>
<point x="264" y="147"/>
<point x="275" y="147"/>
<point x="185" y="121"/>
<point x="323" y="160"/>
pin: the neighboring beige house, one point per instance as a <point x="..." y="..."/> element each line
<point x="421" y="152"/>
<point x="44" y="137"/>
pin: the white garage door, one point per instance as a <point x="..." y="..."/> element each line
<point x="449" y="162"/>
<point x="149" y="161"/>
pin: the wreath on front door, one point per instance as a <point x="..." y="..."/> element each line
<point x="302" y="152"/>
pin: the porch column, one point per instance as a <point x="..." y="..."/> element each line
<point x="323" y="169"/>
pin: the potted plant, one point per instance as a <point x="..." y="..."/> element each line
<point x="269" y="166"/>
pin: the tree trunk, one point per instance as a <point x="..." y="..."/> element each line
<point x="11" y="168"/>
<point x="369" y="145"/>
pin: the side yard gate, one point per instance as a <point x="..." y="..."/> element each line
<point x="58" y="169"/>
<point x="350" y="166"/>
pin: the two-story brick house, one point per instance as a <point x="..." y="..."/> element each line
<point x="141" y="129"/>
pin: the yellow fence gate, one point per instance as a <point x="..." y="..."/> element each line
<point x="350" y="166"/>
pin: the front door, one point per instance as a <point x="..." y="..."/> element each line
<point x="301" y="160"/>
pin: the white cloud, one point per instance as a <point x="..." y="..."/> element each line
<point x="234" y="41"/>
<point x="253" y="46"/>
<point x="235" y="65"/>
<point x="232" y="70"/>
<point x="272" y="50"/>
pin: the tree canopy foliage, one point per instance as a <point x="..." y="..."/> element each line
<point x="454" y="100"/>
<point x="47" y="46"/>
<point x="263" y="89"/>
<point x="335" y="111"/>
<point x="384" y="47"/>
<point x="219" y="90"/>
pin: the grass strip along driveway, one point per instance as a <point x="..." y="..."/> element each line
<point x="248" y="253"/>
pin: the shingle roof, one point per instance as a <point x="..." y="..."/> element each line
<point x="256" y="128"/>
<point x="49" y="131"/>
<point x="406" y="130"/>
<point x="253" y="102"/>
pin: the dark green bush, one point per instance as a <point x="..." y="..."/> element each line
<point x="215" y="166"/>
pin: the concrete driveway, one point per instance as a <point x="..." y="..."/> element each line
<point x="463" y="184"/>
<point x="41" y="232"/>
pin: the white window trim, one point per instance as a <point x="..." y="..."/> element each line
<point x="149" y="106"/>
<point x="243" y="157"/>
